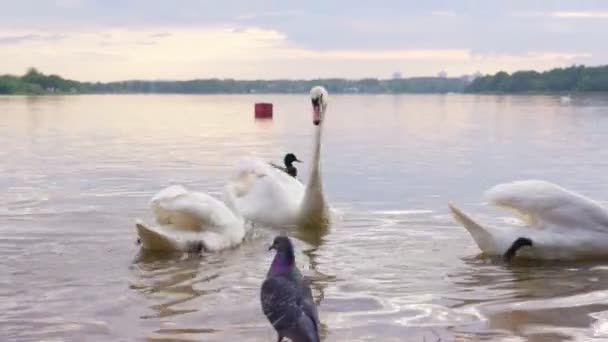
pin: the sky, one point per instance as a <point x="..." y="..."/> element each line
<point x="107" y="40"/>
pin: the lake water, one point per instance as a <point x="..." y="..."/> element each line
<point x="76" y="172"/>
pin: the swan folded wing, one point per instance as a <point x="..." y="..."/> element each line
<point x="259" y="169"/>
<point x="278" y="167"/>
<point x="213" y="242"/>
<point x="261" y="193"/>
<point x="250" y="165"/>
<point x="544" y="204"/>
<point x="170" y="238"/>
<point x="192" y="211"/>
<point x="270" y="201"/>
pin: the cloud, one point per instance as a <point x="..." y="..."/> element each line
<point x="271" y="14"/>
<point x="553" y="55"/>
<point x="216" y="51"/>
<point x="580" y="15"/>
<point x="271" y="38"/>
<point x="561" y="14"/>
<point x="443" y="13"/>
<point x="380" y="55"/>
<point x="23" y="38"/>
<point x="70" y="4"/>
<point x="145" y="42"/>
<point x="160" y="35"/>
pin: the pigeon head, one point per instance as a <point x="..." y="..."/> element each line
<point x="284" y="260"/>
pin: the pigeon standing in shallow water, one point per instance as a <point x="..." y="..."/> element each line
<point x="287" y="300"/>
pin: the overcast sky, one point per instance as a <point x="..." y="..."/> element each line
<point x="246" y="39"/>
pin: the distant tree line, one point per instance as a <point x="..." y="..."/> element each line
<point x="35" y="82"/>
<point x="230" y="86"/>
<point x="572" y="79"/>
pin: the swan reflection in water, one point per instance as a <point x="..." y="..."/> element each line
<point x="174" y="283"/>
<point x="318" y="281"/>
<point x="265" y="197"/>
<point x="170" y="273"/>
<point x="167" y="280"/>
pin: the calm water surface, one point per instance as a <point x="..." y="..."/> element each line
<point x="77" y="171"/>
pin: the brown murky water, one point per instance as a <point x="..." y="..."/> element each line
<point x="77" y="171"/>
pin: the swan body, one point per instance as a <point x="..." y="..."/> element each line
<point x="560" y="224"/>
<point x="190" y="221"/>
<point x="265" y="195"/>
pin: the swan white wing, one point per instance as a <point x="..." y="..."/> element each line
<point x="170" y="238"/>
<point x="194" y="211"/>
<point x="262" y="194"/>
<point x="543" y="204"/>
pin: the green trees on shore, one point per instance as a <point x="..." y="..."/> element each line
<point x="572" y="79"/>
<point x="337" y="85"/>
<point x="34" y="82"/>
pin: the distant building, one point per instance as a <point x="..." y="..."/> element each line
<point x="442" y="74"/>
<point x="397" y="75"/>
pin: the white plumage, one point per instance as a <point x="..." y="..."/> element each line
<point x="264" y="195"/>
<point x="560" y="223"/>
<point x="256" y="192"/>
<point x="190" y="221"/>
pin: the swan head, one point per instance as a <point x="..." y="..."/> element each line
<point x="318" y="97"/>
<point x="290" y="158"/>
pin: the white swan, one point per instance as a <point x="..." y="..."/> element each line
<point x="190" y="221"/>
<point x="565" y="99"/>
<point x="559" y="224"/>
<point x="267" y="196"/>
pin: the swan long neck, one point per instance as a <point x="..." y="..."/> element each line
<point x="314" y="178"/>
<point x="313" y="202"/>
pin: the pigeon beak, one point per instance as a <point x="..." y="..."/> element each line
<point x="273" y="246"/>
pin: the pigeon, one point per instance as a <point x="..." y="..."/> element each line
<point x="286" y="298"/>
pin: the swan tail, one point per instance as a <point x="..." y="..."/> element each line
<point x="482" y="237"/>
<point x="152" y="239"/>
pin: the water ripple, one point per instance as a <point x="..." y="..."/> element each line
<point x="394" y="266"/>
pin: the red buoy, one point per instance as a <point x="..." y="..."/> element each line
<point x="263" y="110"/>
